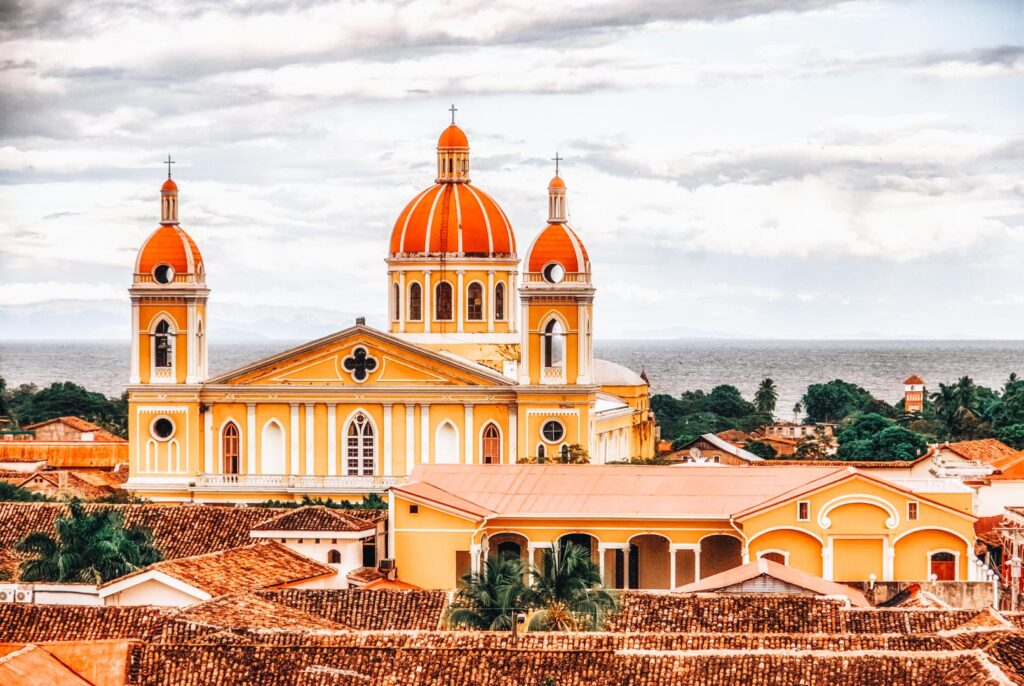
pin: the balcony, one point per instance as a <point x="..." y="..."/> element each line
<point x="552" y="375"/>
<point x="285" y="483"/>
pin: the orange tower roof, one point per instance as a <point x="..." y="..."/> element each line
<point x="169" y="244"/>
<point x="915" y="380"/>
<point x="453" y="137"/>
<point x="453" y="218"/>
<point x="556" y="182"/>
<point x="558" y="243"/>
<point x="169" y="185"/>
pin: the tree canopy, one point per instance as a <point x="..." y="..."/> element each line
<point x="28" y="404"/>
<point x="832" y="401"/>
<point x="874" y="438"/>
<point x="766" y="397"/>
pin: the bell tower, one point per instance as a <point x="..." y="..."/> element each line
<point x="168" y="300"/>
<point x="557" y="301"/>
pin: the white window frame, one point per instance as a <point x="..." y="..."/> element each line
<point x="784" y="553"/>
<point x="436" y="300"/>
<point x="157" y="437"/>
<point x="544" y="438"/>
<point x="408" y="302"/>
<point x="501" y="441"/>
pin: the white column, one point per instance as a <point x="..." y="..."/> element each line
<point x="134" y="377"/>
<point x="190" y="344"/>
<point x="746" y="555"/>
<point x="310" y="439"/>
<point x="294" y="432"/>
<point x="425" y="434"/>
<point x="513" y="434"/>
<point x="531" y="552"/>
<point x="208" y="440"/>
<point x="461" y="300"/>
<point x="601" y="550"/>
<point x="404" y="305"/>
<point x="410" y="438"/>
<point x="387" y="468"/>
<point x="672" y="568"/>
<point x="511" y="300"/>
<point x="889" y="557"/>
<point x="582" y="374"/>
<point x="625" y="568"/>
<point x="468" y="426"/>
<point x="474" y="554"/>
<point x="332" y="439"/>
<point x="696" y="564"/>
<point x="827" y="572"/>
<point x="490" y="301"/>
<point x="428" y="313"/>
<point x="250" y="438"/>
<point x="524" y="349"/>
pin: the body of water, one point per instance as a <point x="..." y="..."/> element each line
<point x="673" y="366"/>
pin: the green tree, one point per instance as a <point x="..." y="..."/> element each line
<point x="814" y="447"/>
<point x="766" y="397"/>
<point x="726" y="401"/>
<point x="30" y="405"/>
<point x="798" y="410"/>
<point x="761" y="450"/>
<point x="1012" y="435"/>
<point x="570" y="592"/>
<point x="694" y="425"/>
<point x="9" y="493"/>
<point x="490" y="599"/>
<point x="89" y="547"/>
<point x="834" y="400"/>
<point x="873" y="438"/>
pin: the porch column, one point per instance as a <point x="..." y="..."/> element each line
<point x="294" y="433"/>
<point x="746" y="555"/>
<point x="696" y="564"/>
<point x="531" y="552"/>
<point x="332" y="439"/>
<point x="250" y="438"/>
<point x="888" y="558"/>
<point x="468" y="431"/>
<point x="310" y="438"/>
<point x="425" y="434"/>
<point x="410" y="438"/>
<point x="601" y="550"/>
<point x="208" y="440"/>
<point x="474" y="555"/>
<point x="625" y="568"/>
<point x="827" y="571"/>
<point x="672" y="568"/>
<point x="387" y="468"/>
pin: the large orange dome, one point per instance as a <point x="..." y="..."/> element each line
<point x="453" y="218"/>
<point x="453" y="137"/>
<point x="557" y="243"/>
<point x="172" y="246"/>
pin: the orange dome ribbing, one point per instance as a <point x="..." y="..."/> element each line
<point x="453" y="218"/>
<point x="558" y="243"/>
<point x="169" y="244"/>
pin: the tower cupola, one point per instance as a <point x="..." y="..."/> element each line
<point x="453" y="154"/>
<point x="557" y="213"/>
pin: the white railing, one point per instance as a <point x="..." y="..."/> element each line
<point x="552" y="375"/>
<point x="286" y="482"/>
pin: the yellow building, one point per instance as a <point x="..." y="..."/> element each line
<point x="480" y="365"/>
<point x="663" y="527"/>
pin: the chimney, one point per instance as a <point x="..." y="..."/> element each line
<point x="360" y="321"/>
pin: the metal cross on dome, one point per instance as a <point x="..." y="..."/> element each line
<point x="453" y="109"/>
<point x="169" y="162"/>
<point x="359" y="364"/>
<point x="557" y="158"/>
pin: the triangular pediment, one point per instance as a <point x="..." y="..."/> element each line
<point x="361" y="356"/>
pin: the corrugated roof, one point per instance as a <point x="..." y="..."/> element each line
<point x="615" y="490"/>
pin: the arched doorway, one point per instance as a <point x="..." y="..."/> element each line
<point x="585" y="541"/>
<point x="230" y="448"/>
<point x="506" y="545"/>
<point x="719" y="553"/>
<point x="446" y="444"/>
<point x="272" y="449"/>
<point x="650" y="562"/>
<point x="491" y="445"/>
<point x="943" y="566"/>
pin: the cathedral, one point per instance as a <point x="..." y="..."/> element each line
<point x="488" y="359"/>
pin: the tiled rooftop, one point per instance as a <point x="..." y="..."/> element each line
<point x="316" y="518"/>
<point x="246" y="568"/>
<point x="34" y="623"/>
<point x="358" y="609"/>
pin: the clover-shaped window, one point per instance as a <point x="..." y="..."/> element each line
<point x="359" y="364"/>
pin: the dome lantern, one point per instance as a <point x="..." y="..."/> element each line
<point x="556" y="196"/>
<point x="169" y="198"/>
<point x="453" y="154"/>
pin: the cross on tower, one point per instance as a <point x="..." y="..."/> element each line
<point x="557" y="159"/>
<point x="453" y="109"/>
<point x="169" y="162"/>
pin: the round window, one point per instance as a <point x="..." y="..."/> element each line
<point x="163" y="428"/>
<point x="554" y="273"/>
<point x="164" y="273"/>
<point x="552" y="431"/>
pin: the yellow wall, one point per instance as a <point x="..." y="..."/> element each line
<point x="426" y="544"/>
<point x="804" y="550"/>
<point x="912" y="563"/>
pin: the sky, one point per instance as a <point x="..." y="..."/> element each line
<point x="736" y="168"/>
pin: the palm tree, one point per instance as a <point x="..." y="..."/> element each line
<point x="570" y="592"/>
<point x="797" y="411"/>
<point x="766" y="397"/>
<point x="90" y="547"/>
<point x="1010" y="380"/>
<point x="488" y="600"/>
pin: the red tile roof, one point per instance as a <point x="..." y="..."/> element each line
<point x="318" y="519"/>
<point x="788" y="575"/>
<point x="35" y="623"/>
<point x="985" y="450"/>
<point x="914" y="380"/>
<point x="79" y="424"/>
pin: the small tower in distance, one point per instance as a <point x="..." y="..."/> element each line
<point x="913" y="395"/>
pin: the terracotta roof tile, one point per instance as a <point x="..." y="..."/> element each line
<point x="985" y="450"/>
<point x="359" y="609"/>
<point x="35" y="623"/>
<point x="315" y="519"/>
<point x="242" y="611"/>
<point x="251" y="567"/>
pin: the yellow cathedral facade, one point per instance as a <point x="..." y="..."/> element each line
<point x="488" y="359"/>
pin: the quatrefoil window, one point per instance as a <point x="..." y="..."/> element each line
<point x="359" y="364"/>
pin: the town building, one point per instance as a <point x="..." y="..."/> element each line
<point x="663" y="527"/>
<point x="913" y="395"/>
<point x="64" y="442"/>
<point x="712" y="449"/>
<point x="488" y="359"/>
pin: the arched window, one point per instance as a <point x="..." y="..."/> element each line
<point x="200" y="348"/>
<point x="541" y="453"/>
<point x="492" y="445"/>
<point x="333" y="557"/>
<point x="415" y="302"/>
<point x="563" y="454"/>
<point x="554" y="344"/>
<point x="774" y="556"/>
<point x="360" y="446"/>
<point x="499" y="302"/>
<point x="397" y="307"/>
<point x="164" y="349"/>
<point x="943" y="566"/>
<point x="443" y="302"/>
<point x="475" y="302"/>
<point x="229" y="448"/>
